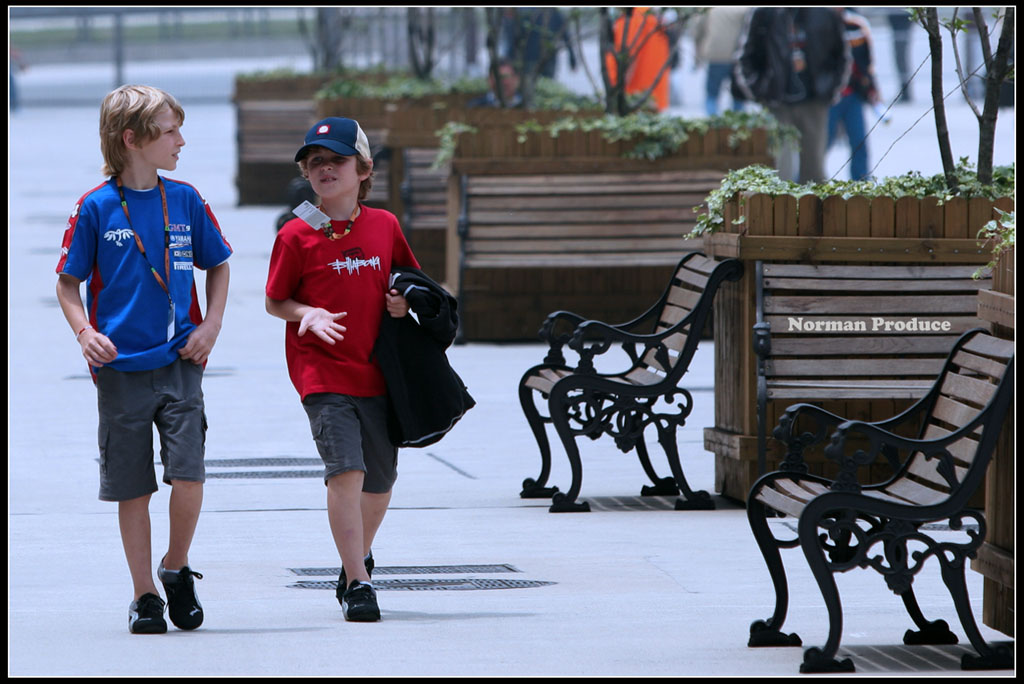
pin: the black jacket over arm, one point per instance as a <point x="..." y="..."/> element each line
<point x="426" y="397"/>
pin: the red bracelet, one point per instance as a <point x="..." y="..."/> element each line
<point x="88" y="327"/>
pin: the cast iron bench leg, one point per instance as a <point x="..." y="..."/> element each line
<point x="989" y="658"/>
<point x="931" y="631"/>
<point x="663" y="486"/>
<point x="566" y="503"/>
<point x="698" y="500"/>
<point x="769" y="632"/>
<point x="535" y="489"/>
<point x="823" y="659"/>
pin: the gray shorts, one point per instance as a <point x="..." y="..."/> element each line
<point x="351" y="433"/>
<point x="130" y="403"/>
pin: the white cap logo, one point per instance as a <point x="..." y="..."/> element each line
<point x="323" y="129"/>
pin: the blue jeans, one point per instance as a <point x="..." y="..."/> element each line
<point x="717" y="75"/>
<point x="850" y="111"/>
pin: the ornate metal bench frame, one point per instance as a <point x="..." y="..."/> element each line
<point x="843" y="525"/>
<point x="623" y="405"/>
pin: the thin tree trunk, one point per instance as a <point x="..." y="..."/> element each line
<point x="931" y="25"/>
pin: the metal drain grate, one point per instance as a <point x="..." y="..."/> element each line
<point x="411" y="570"/>
<point x="255" y="462"/>
<point x="460" y="584"/>
<point x="265" y="474"/>
<point x="929" y="527"/>
<point x="636" y="503"/>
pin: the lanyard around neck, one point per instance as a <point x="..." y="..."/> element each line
<point x="167" y="234"/>
<point x="329" y="229"/>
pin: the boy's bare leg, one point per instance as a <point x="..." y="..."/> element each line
<point x="185" y="505"/>
<point x="133" y="519"/>
<point x="374" y="507"/>
<point x="344" y="511"/>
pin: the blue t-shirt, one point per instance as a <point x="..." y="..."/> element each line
<point x="124" y="301"/>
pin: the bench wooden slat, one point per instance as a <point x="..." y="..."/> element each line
<point x="860" y="272"/>
<point x="916" y="493"/>
<point x="991" y="346"/>
<point x="868" y="367"/>
<point x="962" y="449"/>
<point x="545" y="379"/>
<point x="952" y="412"/>
<point x="843" y="345"/>
<point x="556" y="203"/>
<point x="967" y="389"/>
<point x="865" y="303"/>
<point x="580" y="230"/>
<point x="566" y="261"/>
<point x="576" y="247"/>
<point x="683" y="297"/>
<point x="780" y="502"/>
<point x="868" y="389"/>
<point x="620" y="183"/>
<point x="657" y="214"/>
<point x="692" y="279"/>
<point x="980" y="364"/>
<point x="927" y="470"/>
<point x="851" y="285"/>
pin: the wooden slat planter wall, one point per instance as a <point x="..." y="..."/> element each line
<point x="814" y="230"/>
<point x="995" y="557"/>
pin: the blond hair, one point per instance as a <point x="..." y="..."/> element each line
<point x="362" y="166"/>
<point x="131" y="108"/>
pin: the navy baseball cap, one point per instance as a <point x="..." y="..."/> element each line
<point x="337" y="134"/>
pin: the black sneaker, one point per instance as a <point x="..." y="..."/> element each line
<point x="183" y="605"/>
<point x="146" y="615"/>
<point x="343" y="579"/>
<point x="359" y="603"/>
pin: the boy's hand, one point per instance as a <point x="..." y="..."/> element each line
<point x="396" y="304"/>
<point x="96" y="347"/>
<point x="323" y="324"/>
<point x="200" y="343"/>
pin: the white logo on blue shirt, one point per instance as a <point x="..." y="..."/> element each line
<point x="117" y="235"/>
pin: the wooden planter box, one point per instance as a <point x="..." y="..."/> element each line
<point x="995" y="557"/>
<point x="507" y="298"/>
<point x="812" y="230"/>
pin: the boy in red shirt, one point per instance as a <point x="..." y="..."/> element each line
<point x="331" y="285"/>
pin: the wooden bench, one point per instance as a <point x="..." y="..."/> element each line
<point x="887" y="526"/>
<point x="855" y="332"/>
<point x="581" y="401"/>
<point x="520" y="246"/>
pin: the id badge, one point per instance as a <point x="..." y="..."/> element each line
<point x="170" y="323"/>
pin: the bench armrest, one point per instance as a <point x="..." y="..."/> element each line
<point x="786" y="432"/>
<point x="593" y="338"/>
<point x="556" y="330"/>
<point x="890" y="445"/>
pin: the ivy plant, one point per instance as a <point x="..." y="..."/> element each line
<point x="1001" y="233"/>
<point x="761" y="179"/>
<point x="654" y="135"/>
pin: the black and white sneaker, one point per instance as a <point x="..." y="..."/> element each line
<point x="183" y="605"/>
<point x="343" y="578"/>
<point x="359" y="603"/>
<point x="146" y="615"/>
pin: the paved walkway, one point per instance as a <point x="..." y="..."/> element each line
<point x="474" y="580"/>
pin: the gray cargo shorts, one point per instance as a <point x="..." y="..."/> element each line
<point x="130" y="403"/>
<point x="351" y="433"/>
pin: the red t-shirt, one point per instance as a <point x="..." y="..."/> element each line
<point x="348" y="274"/>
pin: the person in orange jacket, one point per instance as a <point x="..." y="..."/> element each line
<point x="649" y="52"/>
